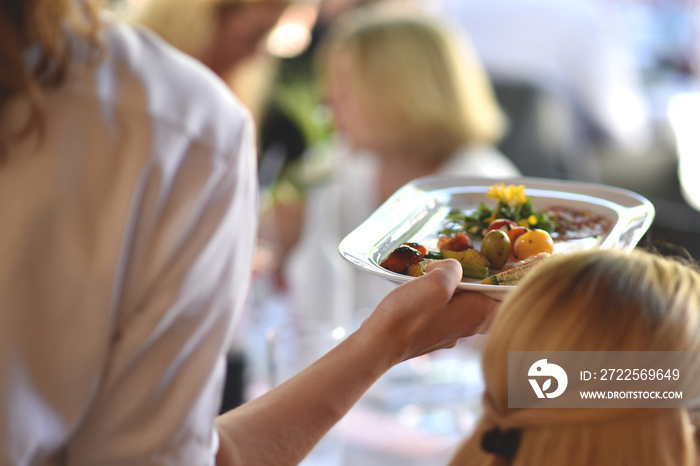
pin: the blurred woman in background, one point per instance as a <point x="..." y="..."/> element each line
<point x="408" y="100"/>
<point x="403" y="90"/>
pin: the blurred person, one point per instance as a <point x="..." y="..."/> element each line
<point x="406" y="95"/>
<point x="407" y="101"/>
<point x="226" y="36"/>
<point x="593" y="301"/>
<point x="569" y="52"/>
<point x="403" y="91"/>
<point x="219" y="33"/>
<point x="128" y="197"/>
<point x="286" y="113"/>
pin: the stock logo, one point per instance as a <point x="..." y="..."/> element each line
<point x="541" y="369"/>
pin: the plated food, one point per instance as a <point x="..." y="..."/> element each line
<point x="583" y="215"/>
<point x="499" y="242"/>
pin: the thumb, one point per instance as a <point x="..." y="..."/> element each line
<point x="432" y="290"/>
<point x="437" y="286"/>
<point x="449" y="271"/>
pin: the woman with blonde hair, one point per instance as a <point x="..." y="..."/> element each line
<point x="603" y="301"/>
<point x="401" y="85"/>
<point x="408" y="99"/>
<point x="128" y="200"/>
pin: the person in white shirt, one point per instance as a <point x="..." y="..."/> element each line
<point x="128" y="204"/>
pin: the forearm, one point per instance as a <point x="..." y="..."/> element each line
<point x="281" y="426"/>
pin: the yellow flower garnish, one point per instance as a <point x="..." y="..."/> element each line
<point x="511" y="204"/>
<point x="511" y="195"/>
<point x="508" y="196"/>
<point x="496" y="192"/>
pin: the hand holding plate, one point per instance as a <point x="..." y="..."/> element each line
<point x="425" y="314"/>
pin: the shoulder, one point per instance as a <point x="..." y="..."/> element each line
<point x="481" y="160"/>
<point x="142" y="73"/>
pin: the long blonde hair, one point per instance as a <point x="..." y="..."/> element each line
<point x="39" y="23"/>
<point x="426" y="89"/>
<point x="592" y="301"/>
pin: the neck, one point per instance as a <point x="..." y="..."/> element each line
<point x="397" y="171"/>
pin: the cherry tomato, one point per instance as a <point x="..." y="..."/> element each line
<point x="502" y="224"/>
<point x="533" y="242"/>
<point x="513" y="235"/>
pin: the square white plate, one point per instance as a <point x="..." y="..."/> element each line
<point x="416" y="211"/>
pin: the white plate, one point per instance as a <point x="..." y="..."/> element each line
<point x="416" y="211"/>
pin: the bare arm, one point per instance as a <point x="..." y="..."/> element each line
<point x="282" y="426"/>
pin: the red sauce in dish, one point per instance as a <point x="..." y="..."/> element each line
<point x="573" y="223"/>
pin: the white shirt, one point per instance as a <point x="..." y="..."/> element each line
<point x="321" y="282"/>
<point x="126" y="243"/>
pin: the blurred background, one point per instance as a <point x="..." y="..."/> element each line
<point x="594" y="90"/>
<point x="600" y="91"/>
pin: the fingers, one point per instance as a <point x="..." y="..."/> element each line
<point x="465" y="315"/>
<point x="448" y="269"/>
<point x="432" y="296"/>
<point x="425" y="314"/>
<point x="430" y="291"/>
<point x="441" y="280"/>
<point x="475" y="311"/>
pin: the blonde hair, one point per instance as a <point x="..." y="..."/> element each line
<point x="426" y="89"/>
<point x="41" y="23"/>
<point x="592" y="301"/>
